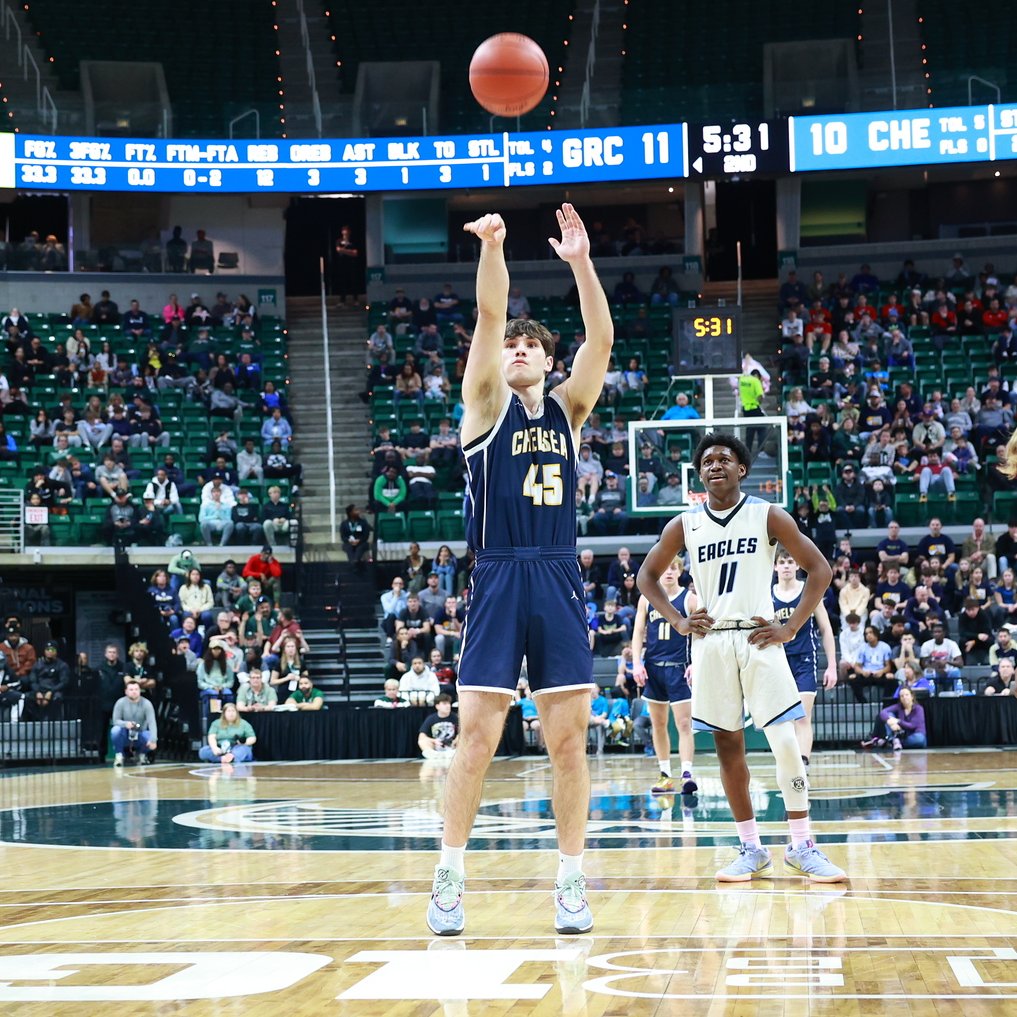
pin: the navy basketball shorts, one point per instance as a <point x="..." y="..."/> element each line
<point x="804" y="671"/>
<point x="526" y="602"/>
<point x="665" y="683"/>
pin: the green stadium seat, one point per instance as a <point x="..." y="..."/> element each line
<point x="451" y="525"/>
<point x="391" y="527"/>
<point x="422" y="525"/>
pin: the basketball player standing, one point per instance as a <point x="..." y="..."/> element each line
<point x="526" y="595"/>
<point x="737" y="651"/>
<point x="801" y="651"/>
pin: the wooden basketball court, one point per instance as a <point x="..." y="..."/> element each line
<point x="300" y="889"/>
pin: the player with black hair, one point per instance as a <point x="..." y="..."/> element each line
<point x="737" y="645"/>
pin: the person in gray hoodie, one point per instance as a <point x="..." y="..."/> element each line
<point x="134" y="725"/>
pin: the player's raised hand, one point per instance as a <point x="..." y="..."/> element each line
<point x="575" y="242"/>
<point x="769" y="633"/>
<point x="489" y="228"/>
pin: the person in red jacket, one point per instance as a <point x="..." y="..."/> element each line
<point x="266" y="567"/>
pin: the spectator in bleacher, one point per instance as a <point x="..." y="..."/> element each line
<point x="249" y="462"/>
<point x="934" y="473"/>
<point x="446" y="566"/>
<point x="974" y="633"/>
<point x="447" y="306"/>
<point x="268" y="569"/>
<point x="106" y="311"/>
<point x="120" y="523"/>
<point x="306" y="696"/>
<point x="978" y="548"/>
<point x="430" y="343"/>
<point x="664" y="288"/>
<point x="176" y="253"/>
<point x="1004" y="647"/>
<point x="851" y="498"/>
<point x="196" y="599"/>
<point x="275" y="517"/>
<point x="1002" y="681"/>
<point x="793" y="293"/>
<point x="164" y="598"/>
<point x="254" y="696"/>
<point x="202" y="254"/>
<point x="432" y="596"/>
<point x="355" y="535"/>
<point x="864" y="281"/>
<point x="8" y="446"/>
<point x="392" y="699"/>
<point x="609" y="514"/>
<point x="436" y="384"/>
<point x="400" y="654"/>
<point x="229" y="587"/>
<point x="136" y="323"/>
<point x="609" y="629"/>
<point x="379" y="342"/>
<point x="400" y="312"/>
<point x="215" y="519"/>
<point x="408" y="387"/>
<point x="444" y="446"/>
<point x="941" y="654"/>
<point x="258" y="625"/>
<point x="215" y="673"/>
<point x="922" y="611"/>
<point x="792" y="325"/>
<point x="419" y="684"/>
<point x="246" y="518"/>
<point x="276" y="428"/>
<point x="682" y="409"/>
<point x="627" y="292"/>
<point x="217" y="483"/>
<point x="448" y="628"/>
<point x="389" y="491"/>
<point x="854" y="597"/>
<point x="94" y="432"/>
<point x="1006" y="546"/>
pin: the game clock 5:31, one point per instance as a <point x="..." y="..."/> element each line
<point x="707" y="340"/>
<point x="716" y="150"/>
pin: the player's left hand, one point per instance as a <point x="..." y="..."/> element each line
<point x="830" y="677"/>
<point x="575" y="243"/>
<point x="769" y="633"/>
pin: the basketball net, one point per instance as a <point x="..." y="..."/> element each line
<point x="696" y="497"/>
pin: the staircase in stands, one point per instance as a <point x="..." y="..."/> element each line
<point x="337" y="611"/>
<point x="351" y="419"/>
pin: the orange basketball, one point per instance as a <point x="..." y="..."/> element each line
<point x="508" y="74"/>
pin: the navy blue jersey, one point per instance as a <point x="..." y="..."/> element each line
<point x="522" y="480"/>
<point x="664" y="643"/>
<point x="804" y="646"/>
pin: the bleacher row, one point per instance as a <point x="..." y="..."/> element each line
<point x="188" y="424"/>
<point x="962" y="363"/>
<point x="446" y="521"/>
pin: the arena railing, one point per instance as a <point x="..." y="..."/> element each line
<point x="12" y="520"/>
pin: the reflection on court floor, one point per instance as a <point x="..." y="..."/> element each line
<point x="300" y="889"/>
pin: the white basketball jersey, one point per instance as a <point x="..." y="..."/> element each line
<point x="731" y="558"/>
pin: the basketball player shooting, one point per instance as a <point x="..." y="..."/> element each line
<point x="526" y="594"/>
<point x="737" y="645"/>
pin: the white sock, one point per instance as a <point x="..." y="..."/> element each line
<point x="687" y="766"/>
<point x="665" y="766"/>
<point x="453" y="858"/>
<point x="748" y="833"/>
<point x="569" y="865"/>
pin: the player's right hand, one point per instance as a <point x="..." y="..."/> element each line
<point x="490" y="228"/>
<point x="639" y="675"/>
<point x="697" y="624"/>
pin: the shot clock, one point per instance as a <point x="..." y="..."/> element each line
<point x="707" y="340"/>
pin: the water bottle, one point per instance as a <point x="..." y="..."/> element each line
<point x="932" y="683"/>
<point x="958" y="686"/>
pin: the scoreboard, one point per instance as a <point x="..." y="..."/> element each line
<point x="963" y="134"/>
<point x="355" y="164"/>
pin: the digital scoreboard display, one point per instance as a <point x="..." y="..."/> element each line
<point x="925" y="137"/>
<point x="325" y="166"/>
<point x="707" y="340"/>
<point x="955" y="134"/>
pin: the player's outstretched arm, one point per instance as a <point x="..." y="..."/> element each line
<point x="660" y="556"/>
<point x="483" y="385"/>
<point x="638" y="638"/>
<point x="583" y="387"/>
<point x="782" y="528"/>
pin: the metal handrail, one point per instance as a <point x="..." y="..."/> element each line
<point x="45" y="106"/>
<point x="312" y="81"/>
<point x="984" y="81"/>
<point x="12" y="520"/>
<point x="244" y="115"/>
<point x="591" y="63"/>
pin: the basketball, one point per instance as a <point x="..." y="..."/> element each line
<point x="508" y="74"/>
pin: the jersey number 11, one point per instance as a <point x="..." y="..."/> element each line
<point x="727" y="578"/>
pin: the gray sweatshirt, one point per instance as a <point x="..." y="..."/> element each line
<point x="140" y="713"/>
